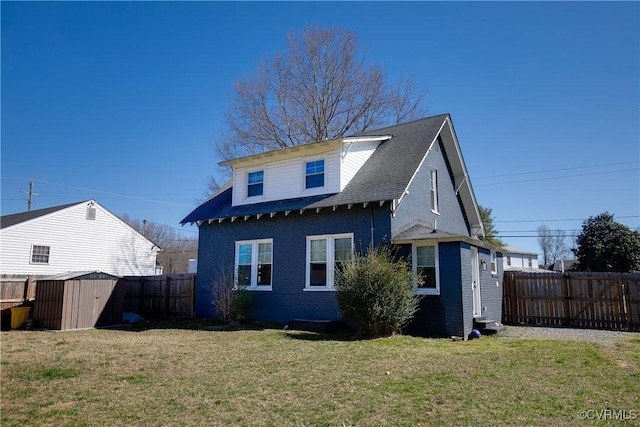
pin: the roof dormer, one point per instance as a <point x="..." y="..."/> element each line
<point x="324" y="167"/>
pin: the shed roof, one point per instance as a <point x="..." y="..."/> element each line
<point x="80" y="275"/>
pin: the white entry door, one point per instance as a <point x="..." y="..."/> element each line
<point x="475" y="283"/>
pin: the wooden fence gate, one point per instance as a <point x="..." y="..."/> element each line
<point x="584" y="300"/>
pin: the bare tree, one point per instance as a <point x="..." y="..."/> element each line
<point x="321" y="88"/>
<point x="176" y="248"/>
<point x="552" y="244"/>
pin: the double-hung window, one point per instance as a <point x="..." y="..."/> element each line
<point x="494" y="263"/>
<point x="325" y="257"/>
<point x="253" y="265"/>
<point x="40" y="254"/>
<point x="314" y="174"/>
<point x="433" y="189"/>
<point x="425" y="266"/>
<point x="255" y="183"/>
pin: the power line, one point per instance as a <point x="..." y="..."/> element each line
<point x="559" y="220"/>
<point x="556" y="177"/>
<point x="556" y="170"/>
<point x="125" y="196"/>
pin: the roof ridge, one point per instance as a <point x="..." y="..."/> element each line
<point x="411" y="122"/>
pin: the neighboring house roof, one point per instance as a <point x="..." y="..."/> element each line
<point x="513" y="250"/>
<point x="385" y="176"/>
<point x="7" y="221"/>
<point x="13" y="219"/>
<point x="563" y="265"/>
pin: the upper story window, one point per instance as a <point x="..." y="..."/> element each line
<point x="425" y="265"/>
<point x="255" y="183"/>
<point x="40" y="254"/>
<point x="530" y="261"/>
<point x="325" y="256"/>
<point x="314" y="174"/>
<point x="494" y="263"/>
<point x="433" y="190"/>
<point x="253" y="264"/>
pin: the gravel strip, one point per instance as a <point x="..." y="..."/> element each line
<point x="591" y="335"/>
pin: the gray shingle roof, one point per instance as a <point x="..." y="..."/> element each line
<point x="220" y="207"/>
<point x="384" y="176"/>
<point x="13" y="219"/>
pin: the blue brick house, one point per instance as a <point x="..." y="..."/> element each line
<point x="289" y="215"/>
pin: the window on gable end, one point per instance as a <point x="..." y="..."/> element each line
<point x="255" y="183"/>
<point x="433" y="190"/>
<point x="40" y="254"/>
<point x="314" y="174"/>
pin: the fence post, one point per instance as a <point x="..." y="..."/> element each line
<point x="566" y="295"/>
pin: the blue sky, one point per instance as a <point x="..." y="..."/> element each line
<point x="122" y="101"/>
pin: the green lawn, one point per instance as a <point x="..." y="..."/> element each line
<point x="194" y="373"/>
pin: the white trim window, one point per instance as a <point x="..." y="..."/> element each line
<point x="255" y="183"/>
<point x="40" y="254"/>
<point x="433" y="190"/>
<point x="494" y="263"/>
<point x="322" y="252"/>
<point x="254" y="264"/>
<point x="314" y="174"/>
<point x="425" y="266"/>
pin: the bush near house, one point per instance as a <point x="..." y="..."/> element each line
<point x="375" y="292"/>
<point x="231" y="302"/>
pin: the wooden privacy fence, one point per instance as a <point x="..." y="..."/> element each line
<point x="585" y="300"/>
<point x="160" y="296"/>
<point x="16" y="290"/>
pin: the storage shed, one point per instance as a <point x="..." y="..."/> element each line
<point x="78" y="300"/>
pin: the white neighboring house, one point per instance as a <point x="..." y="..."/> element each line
<point x="80" y="236"/>
<point x="516" y="259"/>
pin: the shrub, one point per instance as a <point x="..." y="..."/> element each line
<point x="375" y="292"/>
<point x="231" y="303"/>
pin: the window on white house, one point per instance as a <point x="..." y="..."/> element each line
<point x="509" y="260"/>
<point x="253" y="265"/>
<point x="325" y="257"/>
<point x="40" y="254"/>
<point x="530" y="262"/>
<point x="494" y="263"/>
<point x="314" y="174"/>
<point x="433" y="189"/>
<point x="255" y="183"/>
<point x="425" y="266"/>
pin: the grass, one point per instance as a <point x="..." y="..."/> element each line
<point x="193" y="373"/>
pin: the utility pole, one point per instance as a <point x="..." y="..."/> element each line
<point x="30" y="193"/>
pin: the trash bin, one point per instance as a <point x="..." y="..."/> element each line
<point x="19" y="315"/>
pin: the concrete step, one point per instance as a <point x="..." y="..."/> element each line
<point x="488" y="326"/>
